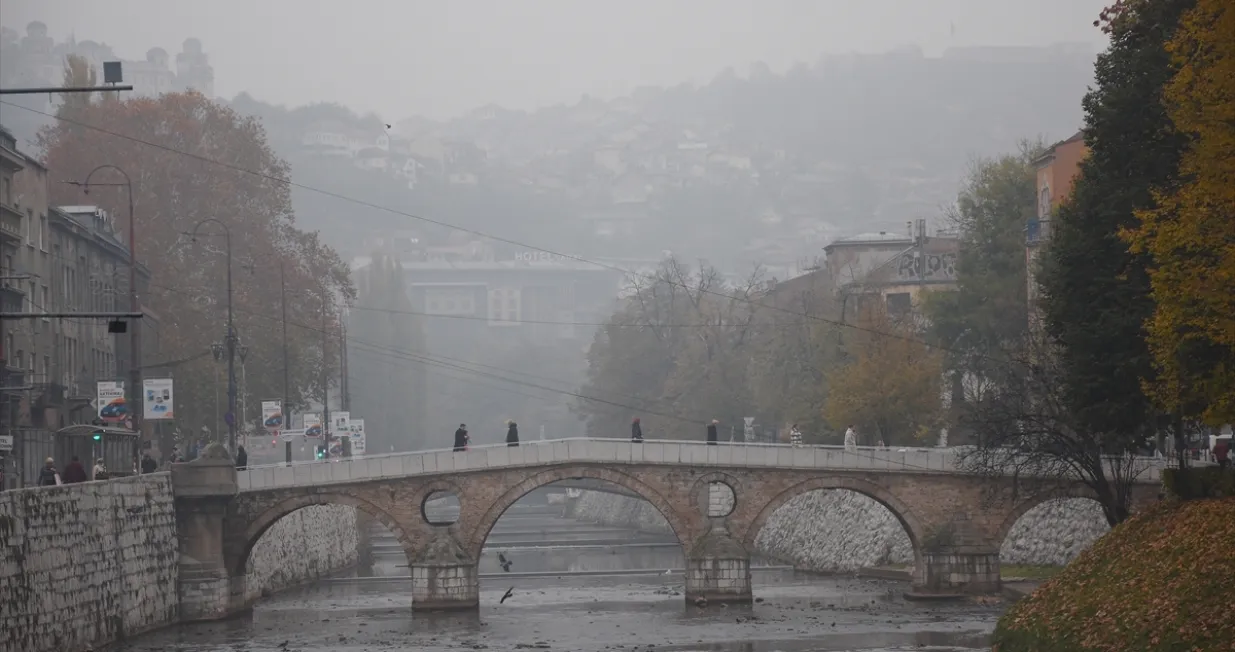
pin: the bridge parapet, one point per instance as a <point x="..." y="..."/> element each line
<point x="616" y="451"/>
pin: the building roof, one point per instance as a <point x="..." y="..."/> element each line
<point x="881" y="236"/>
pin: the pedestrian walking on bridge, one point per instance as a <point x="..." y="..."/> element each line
<point x="636" y="431"/>
<point x="712" y="432"/>
<point x="461" y="438"/>
<point x="512" y="433"/>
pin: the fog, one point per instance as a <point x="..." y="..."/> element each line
<point x="450" y="150"/>
<point x="440" y="59"/>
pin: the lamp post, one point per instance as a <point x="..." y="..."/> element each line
<point x="134" y="335"/>
<point x="230" y="340"/>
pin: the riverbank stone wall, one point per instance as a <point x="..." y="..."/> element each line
<point x="303" y="546"/>
<point x="86" y="564"/>
<point x="843" y="531"/>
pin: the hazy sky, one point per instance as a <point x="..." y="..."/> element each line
<point x="443" y="57"/>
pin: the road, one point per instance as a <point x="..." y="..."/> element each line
<point x="584" y="588"/>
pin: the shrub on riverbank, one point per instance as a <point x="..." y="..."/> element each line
<point x="1160" y="582"/>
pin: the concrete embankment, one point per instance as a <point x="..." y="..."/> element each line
<point x="843" y="531"/>
<point x="85" y="564"/>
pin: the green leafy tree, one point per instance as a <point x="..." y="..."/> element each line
<point x="986" y="317"/>
<point x="1095" y="291"/>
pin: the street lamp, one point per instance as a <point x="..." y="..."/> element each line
<point x="134" y="337"/>
<point x="230" y="340"/>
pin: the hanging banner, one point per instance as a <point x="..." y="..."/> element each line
<point x="272" y="416"/>
<point x="158" y="399"/>
<point x="112" y="408"/>
<point x="312" y="425"/>
<point x="358" y="437"/>
<point x="340" y="423"/>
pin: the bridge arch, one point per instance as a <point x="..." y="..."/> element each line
<point x="480" y="532"/>
<point x="268" y="517"/>
<point x="909" y="521"/>
<point x="1028" y="504"/>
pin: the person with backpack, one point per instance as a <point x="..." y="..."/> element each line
<point x="48" y="476"/>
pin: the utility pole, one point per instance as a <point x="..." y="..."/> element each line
<point x="286" y="407"/>
<point x="135" y="364"/>
<point x="343" y="380"/>
<point x="325" y="381"/>
<point x="231" y="338"/>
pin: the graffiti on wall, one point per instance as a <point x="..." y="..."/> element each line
<point x="928" y="267"/>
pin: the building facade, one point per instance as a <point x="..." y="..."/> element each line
<point x="1057" y="170"/>
<point x="57" y="260"/>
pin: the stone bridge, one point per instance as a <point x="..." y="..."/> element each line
<point x="956" y="521"/>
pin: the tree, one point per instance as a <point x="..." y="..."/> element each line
<point x="1189" y="232"/>
<point x="389" y="389"/>
<point x="1095" y="291"/>
<point x="1025" y="428"/>
<point x="175" y="187"/>
<point x="674" y="353"/>
<point x="891" y="388"/>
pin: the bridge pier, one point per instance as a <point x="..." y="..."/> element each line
<point x="444" y="578"/>
<point x="204" y="488"/>
<point x="954" y="572"/>
<point x="718" y="570"/>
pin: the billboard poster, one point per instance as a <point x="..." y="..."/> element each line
<point x="158" y="399"/>
<point x="312" y="425"/>
<point x="340" y="423"/>
<point x="272" y="416"/>
<point x="112" y="407"/>
<point x="358" y="441"/>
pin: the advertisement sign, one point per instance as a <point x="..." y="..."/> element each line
<point x="158" y="399"/>
<point x="340" y="423"/>
<point x="358" y="442"/>
<point x="272" y="416"/>
<point x="112" y="407"/>
<point x="312" y="425"/>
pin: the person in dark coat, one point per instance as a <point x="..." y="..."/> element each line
<point x="47" y="475"/>
<point x="512" y="434"/>
<point x="712" y="432"/>
<point x="148" y="464"/>
<point x="636" y="431"/>
<point x="74" y="472"/>
<point x="461" y="438"/>
<point x="242" y="458"/>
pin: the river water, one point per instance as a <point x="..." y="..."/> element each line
<point x="584" y="588"/>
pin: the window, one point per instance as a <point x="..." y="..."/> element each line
<point x="504" y="306"/>
<point x="34" y="297"/>
<point x="6" y="197"/>
<point x="898" y="303"/>
<point x="18" y="358"/>
<point x="27" y="227"/>
<point x="44" y="300"/>
<point x="46" y="368"/>
<point x="43" y="233"/>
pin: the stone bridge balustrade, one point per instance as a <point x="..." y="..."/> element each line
<point x="955" y="521"/>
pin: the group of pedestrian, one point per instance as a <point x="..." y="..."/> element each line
<point x="74" y="472"/>
<point x="463" y="439"/>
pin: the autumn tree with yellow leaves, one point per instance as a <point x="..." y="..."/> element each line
<point x="891" y="386"/>
<point x="1190" y="233"/>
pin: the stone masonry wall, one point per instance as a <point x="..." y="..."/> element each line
<point x="82" y="565"/>
<point x="86" y="563"/>
<point x="303" y="546"/>
<point x="839" y="531"/>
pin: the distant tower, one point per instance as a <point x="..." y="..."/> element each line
<point x="193" y="70"/>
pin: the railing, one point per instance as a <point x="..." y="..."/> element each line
<point x="610" y="451"/>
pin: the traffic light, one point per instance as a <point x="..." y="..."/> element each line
<point x="98" y="435"/>
<point x="321" y="451"/>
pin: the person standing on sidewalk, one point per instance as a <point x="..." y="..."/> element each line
<point x="512" y="433"/>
